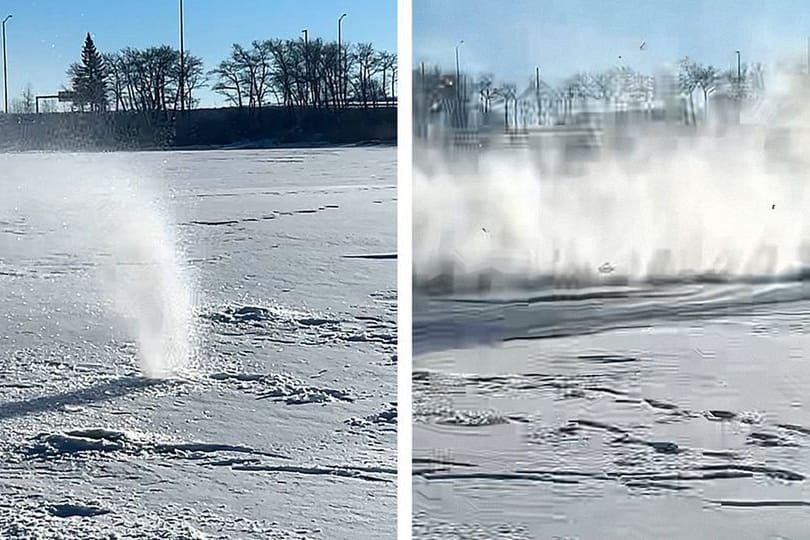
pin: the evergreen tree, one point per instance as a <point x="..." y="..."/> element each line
<point x="89" y="78"/>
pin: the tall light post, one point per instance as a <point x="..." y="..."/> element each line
<point x="5" y="67"/>
<point x="739" y="70"/>
<point x="459" y="112"/>
<point x="182" y="62"/>
<point x="458" y="73"/>
<point x="341" y="66"/>
<point x="537" y="96"/>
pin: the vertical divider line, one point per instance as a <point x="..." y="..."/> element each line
<point x="404" y="269"/>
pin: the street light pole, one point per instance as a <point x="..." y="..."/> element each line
<point x="182" y="62"/>
<point x="537" y="96"/>
<point x="339" y="61"/>
<point x="739" y="71"/>
<point x="458" y="73"/>
<point x="808" y="56"/>
<point x="5" y="67"/>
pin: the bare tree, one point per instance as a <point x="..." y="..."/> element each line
<point x="148" y="79"/>
<point x="26" y="103"/>
<point x="508" y="94"/>
<point x="572" y="88"/>
<point x="193" y="79"/>
<point x="387" y="63"/>
<point x="116" y="80"/>
<point x="294" y="73"/>
<point x="253" y="67"/>
<point x="368" y="64"/>
<point x="601" y="86"/>
<point x="748" y="83"/>
<point x="486" y="92"/>
<point x="687" y="83"/>
<point x="230" y="82"/>
<point x="394" y="75"/>
<point x="285" y="73"/>
<point x="706" y="78"/>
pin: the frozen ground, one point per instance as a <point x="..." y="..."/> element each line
<point x="614" y="345"/>
<point x="283" y="425"/>
<point x="668" y="411"/>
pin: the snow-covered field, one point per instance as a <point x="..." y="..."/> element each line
<point x="270" y="407"/>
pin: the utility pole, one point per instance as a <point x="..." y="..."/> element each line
<point x="458" y="81"/>
<point x="570" y="114"/>
<point x="739" y="71"/>
<point x="537" y="96"/>
<point x="341" y="87"/>
<point x="423" y="98"/>
<point x="458" y="72"/>
<point x="506" y="111"/>
<point x="182" y="62"/>
<point x="5" y="66"/>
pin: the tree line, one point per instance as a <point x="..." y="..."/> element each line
<point x="275" y="72"/>
<point x="614" y="87"/>
<point x="298" y="73"/>
<point x="741" y="84"/>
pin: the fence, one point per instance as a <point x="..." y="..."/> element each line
<point x="195" y="128"/>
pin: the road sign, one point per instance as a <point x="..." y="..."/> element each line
<point x="66" y="95"/>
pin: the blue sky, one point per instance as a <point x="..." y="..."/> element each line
<point x="45" y="36"/>
<point x="509" y="38"/>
